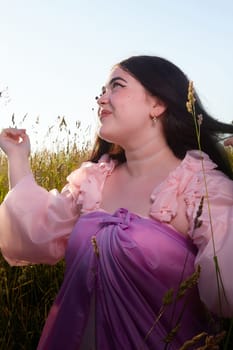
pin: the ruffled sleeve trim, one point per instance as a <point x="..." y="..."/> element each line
<point x="86" y="183"/>
<point x="187" y="181"/>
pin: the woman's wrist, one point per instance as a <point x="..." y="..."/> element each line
<point x="18" y="167"/>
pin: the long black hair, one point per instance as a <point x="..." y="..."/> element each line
<point x="166" y="81"/>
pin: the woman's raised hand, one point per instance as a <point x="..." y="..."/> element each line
<point x="15" y="142"/>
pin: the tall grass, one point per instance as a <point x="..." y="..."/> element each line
<point x="27" y="293"/>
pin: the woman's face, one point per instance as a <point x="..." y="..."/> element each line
<point x="125" y="108"/>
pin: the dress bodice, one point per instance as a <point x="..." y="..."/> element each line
<point x="128" y="264"/>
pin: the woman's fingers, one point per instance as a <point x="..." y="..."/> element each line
<point x="14" y="140"/>
<point x="13" y="134"/>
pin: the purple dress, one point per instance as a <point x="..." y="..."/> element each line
<point x="118" y="269"/>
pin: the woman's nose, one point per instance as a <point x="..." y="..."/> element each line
<point x="102" y="99"/>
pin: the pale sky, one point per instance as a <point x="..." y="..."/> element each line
<point x="55" y="55"/>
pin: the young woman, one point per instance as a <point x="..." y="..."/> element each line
<point x="140" y="224"/>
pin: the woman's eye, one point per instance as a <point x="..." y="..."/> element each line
<point x="115" y="84"/>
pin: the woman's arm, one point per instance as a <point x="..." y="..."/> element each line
<point x="34" y="224"/>
<point x="214" y="239"/>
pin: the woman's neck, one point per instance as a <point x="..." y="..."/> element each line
<point x="146" y="160"/>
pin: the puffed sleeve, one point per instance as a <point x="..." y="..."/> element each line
<point x="210" y="217"/>
<point x="213" y="238"/>
<point x="35" y="224"/>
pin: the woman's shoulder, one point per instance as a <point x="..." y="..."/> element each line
<point x="89" y="169"/>
<point x="188" y="180"/>
<point x="201" y="170"/>
<point x="196" y="161"/>
<point x="86" y="182"/>
<point x="197" y="167"/>
<point x="191" y="168"/>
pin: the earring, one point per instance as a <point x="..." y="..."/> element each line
<point x="154" y="120"/>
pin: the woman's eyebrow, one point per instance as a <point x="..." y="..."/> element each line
<point x="116" y="78"/>
<point x="112" y="81"/>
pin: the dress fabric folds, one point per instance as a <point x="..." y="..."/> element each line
<point x="118" y="269"/>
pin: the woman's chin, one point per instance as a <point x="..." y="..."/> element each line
<point x="106" y="135"/>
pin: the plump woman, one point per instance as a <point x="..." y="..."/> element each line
<point x="148" y="211"/>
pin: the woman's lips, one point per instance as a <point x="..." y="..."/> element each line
<point x="104" y="113"/>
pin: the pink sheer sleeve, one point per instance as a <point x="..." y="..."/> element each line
<point x="213" y="238"/>
<point x="35" y="224"/>
<point x="188" y="181"/>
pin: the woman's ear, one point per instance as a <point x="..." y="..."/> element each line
<point x="158" y="108"/>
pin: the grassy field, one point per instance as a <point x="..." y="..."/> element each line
<point x="28" y="292"/>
